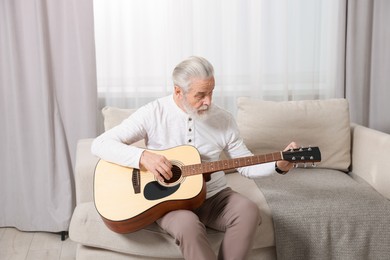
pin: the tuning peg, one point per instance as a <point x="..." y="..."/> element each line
<point x="304" y="165"/>
<point x="313" y="165"/>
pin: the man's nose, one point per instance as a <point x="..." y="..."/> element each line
<point x="207" y="100"/>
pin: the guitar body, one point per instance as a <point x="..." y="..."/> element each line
<point x="128" y="199"/>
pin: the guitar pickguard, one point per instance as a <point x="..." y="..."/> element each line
<point x="154" y="191"/>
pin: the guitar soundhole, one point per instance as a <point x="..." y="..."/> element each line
<point x="176" y="171"/>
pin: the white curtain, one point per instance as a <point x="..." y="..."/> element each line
<point x="275" y="50"/>
<point x="47" y="102"/>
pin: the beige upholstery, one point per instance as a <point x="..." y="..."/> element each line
<point x="371" y="158"/>
<point x="114" y="116"/>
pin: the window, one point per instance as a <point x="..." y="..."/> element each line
<point x="274" y="50"/>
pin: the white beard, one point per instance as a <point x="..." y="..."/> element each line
<point x="201" y="113"/>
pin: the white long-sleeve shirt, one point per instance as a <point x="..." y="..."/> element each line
<point x="164" y="125"/>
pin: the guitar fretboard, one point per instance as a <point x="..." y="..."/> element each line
<point x="210" y="167"/>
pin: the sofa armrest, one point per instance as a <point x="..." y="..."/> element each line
<point x="371" y="157"/>
<point x="84" y="171"/>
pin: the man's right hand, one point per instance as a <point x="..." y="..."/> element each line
<point x="156" y="164"/>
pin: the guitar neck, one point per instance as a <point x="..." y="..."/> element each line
<point x="210" y="167"/>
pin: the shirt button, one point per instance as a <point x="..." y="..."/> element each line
<point x="189" y="140"/>
<point x="190" y="119"/>
<point x="190" y="129"/>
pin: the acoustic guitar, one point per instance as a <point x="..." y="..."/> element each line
<point x="129" y="199"/>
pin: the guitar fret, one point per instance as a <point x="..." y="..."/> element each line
<point x="258" y="160"/>
<point x="220" y="165"/>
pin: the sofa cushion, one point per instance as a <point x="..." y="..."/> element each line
<point x="268" y="126"/>
<point x="88" y="229"/>
<point x="113" y="116"/>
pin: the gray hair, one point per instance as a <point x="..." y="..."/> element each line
<point x="193" y="67"/>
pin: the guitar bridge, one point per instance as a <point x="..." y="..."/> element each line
<point x="136" y="181"/>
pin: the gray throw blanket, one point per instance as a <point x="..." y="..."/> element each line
<point x="326" y="214"/>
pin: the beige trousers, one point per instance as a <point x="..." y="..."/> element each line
<point x="227" y="211"/>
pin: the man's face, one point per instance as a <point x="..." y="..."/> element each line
<point x="199" y="97"/>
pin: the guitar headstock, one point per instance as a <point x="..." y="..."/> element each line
<point x="302" y="155"/>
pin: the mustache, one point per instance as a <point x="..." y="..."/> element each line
<point x="203" y="108"/>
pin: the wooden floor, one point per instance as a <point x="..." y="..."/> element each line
<point x="15" y="245"/>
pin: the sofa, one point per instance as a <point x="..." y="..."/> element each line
<point x="355" y="153"/>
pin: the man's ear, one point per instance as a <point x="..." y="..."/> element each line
<point x="178" y="91"/>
